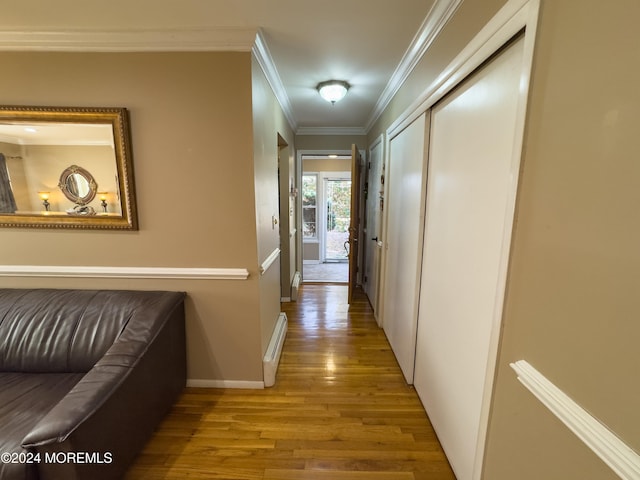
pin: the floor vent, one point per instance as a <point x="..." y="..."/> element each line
<point x="272" y="357"/>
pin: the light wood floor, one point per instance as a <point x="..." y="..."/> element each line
<point x="340" y="410"/>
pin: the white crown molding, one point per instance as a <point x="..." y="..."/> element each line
<point x="263" y="56"/>
<point x="225" y="39"/>
<point x="440" y="13"/>
<point x="138" y="40"/>
<point x="621" y="458"/>
<point x="124" y="272"/>
<point x="331" y="131"/>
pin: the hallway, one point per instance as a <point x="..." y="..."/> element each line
<point x="340" y="410"/>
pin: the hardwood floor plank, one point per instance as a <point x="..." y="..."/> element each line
<point x="272" y="474"/>
<point x="340" y="410"/>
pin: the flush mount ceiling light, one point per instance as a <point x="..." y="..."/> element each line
<point x="333" y="90"/>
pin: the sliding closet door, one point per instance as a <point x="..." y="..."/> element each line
<point x="473" y="172"/>
<point x="404" y="227"/>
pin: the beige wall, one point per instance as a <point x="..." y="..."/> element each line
<point x="571" y="305"/>
<point x="330" y="142"/>
<point x="326" y="165"/>
<point x="191" y="125"/>
<point x="268" y="122"/>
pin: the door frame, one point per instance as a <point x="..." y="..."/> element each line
<point x="355" y="224"/>
<point x="300" y="154"/>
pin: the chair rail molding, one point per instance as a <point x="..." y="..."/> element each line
<point x="273" y="256"/>
<point x="124" y="272"/>
<point x="621" y="458"/>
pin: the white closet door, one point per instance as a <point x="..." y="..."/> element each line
<point x="404" y="227"/>
<point x="473" y="172"/>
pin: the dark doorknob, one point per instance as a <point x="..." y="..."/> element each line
<point x="375" y="239"/>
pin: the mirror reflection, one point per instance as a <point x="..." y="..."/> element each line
<point x="53" y="162"/>
<point x="79" y="186"/>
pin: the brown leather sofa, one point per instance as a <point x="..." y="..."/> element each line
<point x="85" y="378"/>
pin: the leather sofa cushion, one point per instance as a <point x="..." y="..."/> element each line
<point x="65" y="330"/>
<point x="24" y="400"/>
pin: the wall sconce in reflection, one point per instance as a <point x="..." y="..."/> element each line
<point x="103" y="200"/>
<point x="44" y="196"/>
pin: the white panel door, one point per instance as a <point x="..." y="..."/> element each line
<point x="404" y="227"/>
<point x="473" y="172"/>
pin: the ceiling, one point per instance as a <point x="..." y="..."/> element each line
<point x="369" y="43"/>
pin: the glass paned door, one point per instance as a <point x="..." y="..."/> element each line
<point x="338" y="211"/>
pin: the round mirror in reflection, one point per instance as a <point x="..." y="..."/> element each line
<point x="78" y="185"/>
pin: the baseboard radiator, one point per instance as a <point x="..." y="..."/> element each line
<point x="295" y="285"/>
<point x="272" y="356"/>
<point x="619" y="456"/>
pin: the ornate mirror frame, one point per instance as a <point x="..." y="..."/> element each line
<point x="70" y="189"/>
<point x="122" y="212"/>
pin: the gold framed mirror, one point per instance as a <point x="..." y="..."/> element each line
<point x="66" y="168"/>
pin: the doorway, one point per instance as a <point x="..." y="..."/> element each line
<point x="326" y="212"/>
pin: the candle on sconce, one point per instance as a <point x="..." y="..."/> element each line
<point x="44" y="196"/>
<point x="103" y="200"/>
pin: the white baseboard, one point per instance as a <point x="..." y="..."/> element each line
<point x="621" y="458"/>
<point x="272" y="356"/>
<point x="295" y="285"/>
<point x="203" y="383"/>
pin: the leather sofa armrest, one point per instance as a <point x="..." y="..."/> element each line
<point x="116" y="406"/>
<point x="80" y="403"/>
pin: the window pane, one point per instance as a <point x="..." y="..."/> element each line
<point x="309" y="230"/>
<point x="309" y="215"/>
<point x="309" y="189"/>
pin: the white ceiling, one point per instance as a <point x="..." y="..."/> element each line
<point x="369" y="43"/>
<point x="46" y="133"/>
